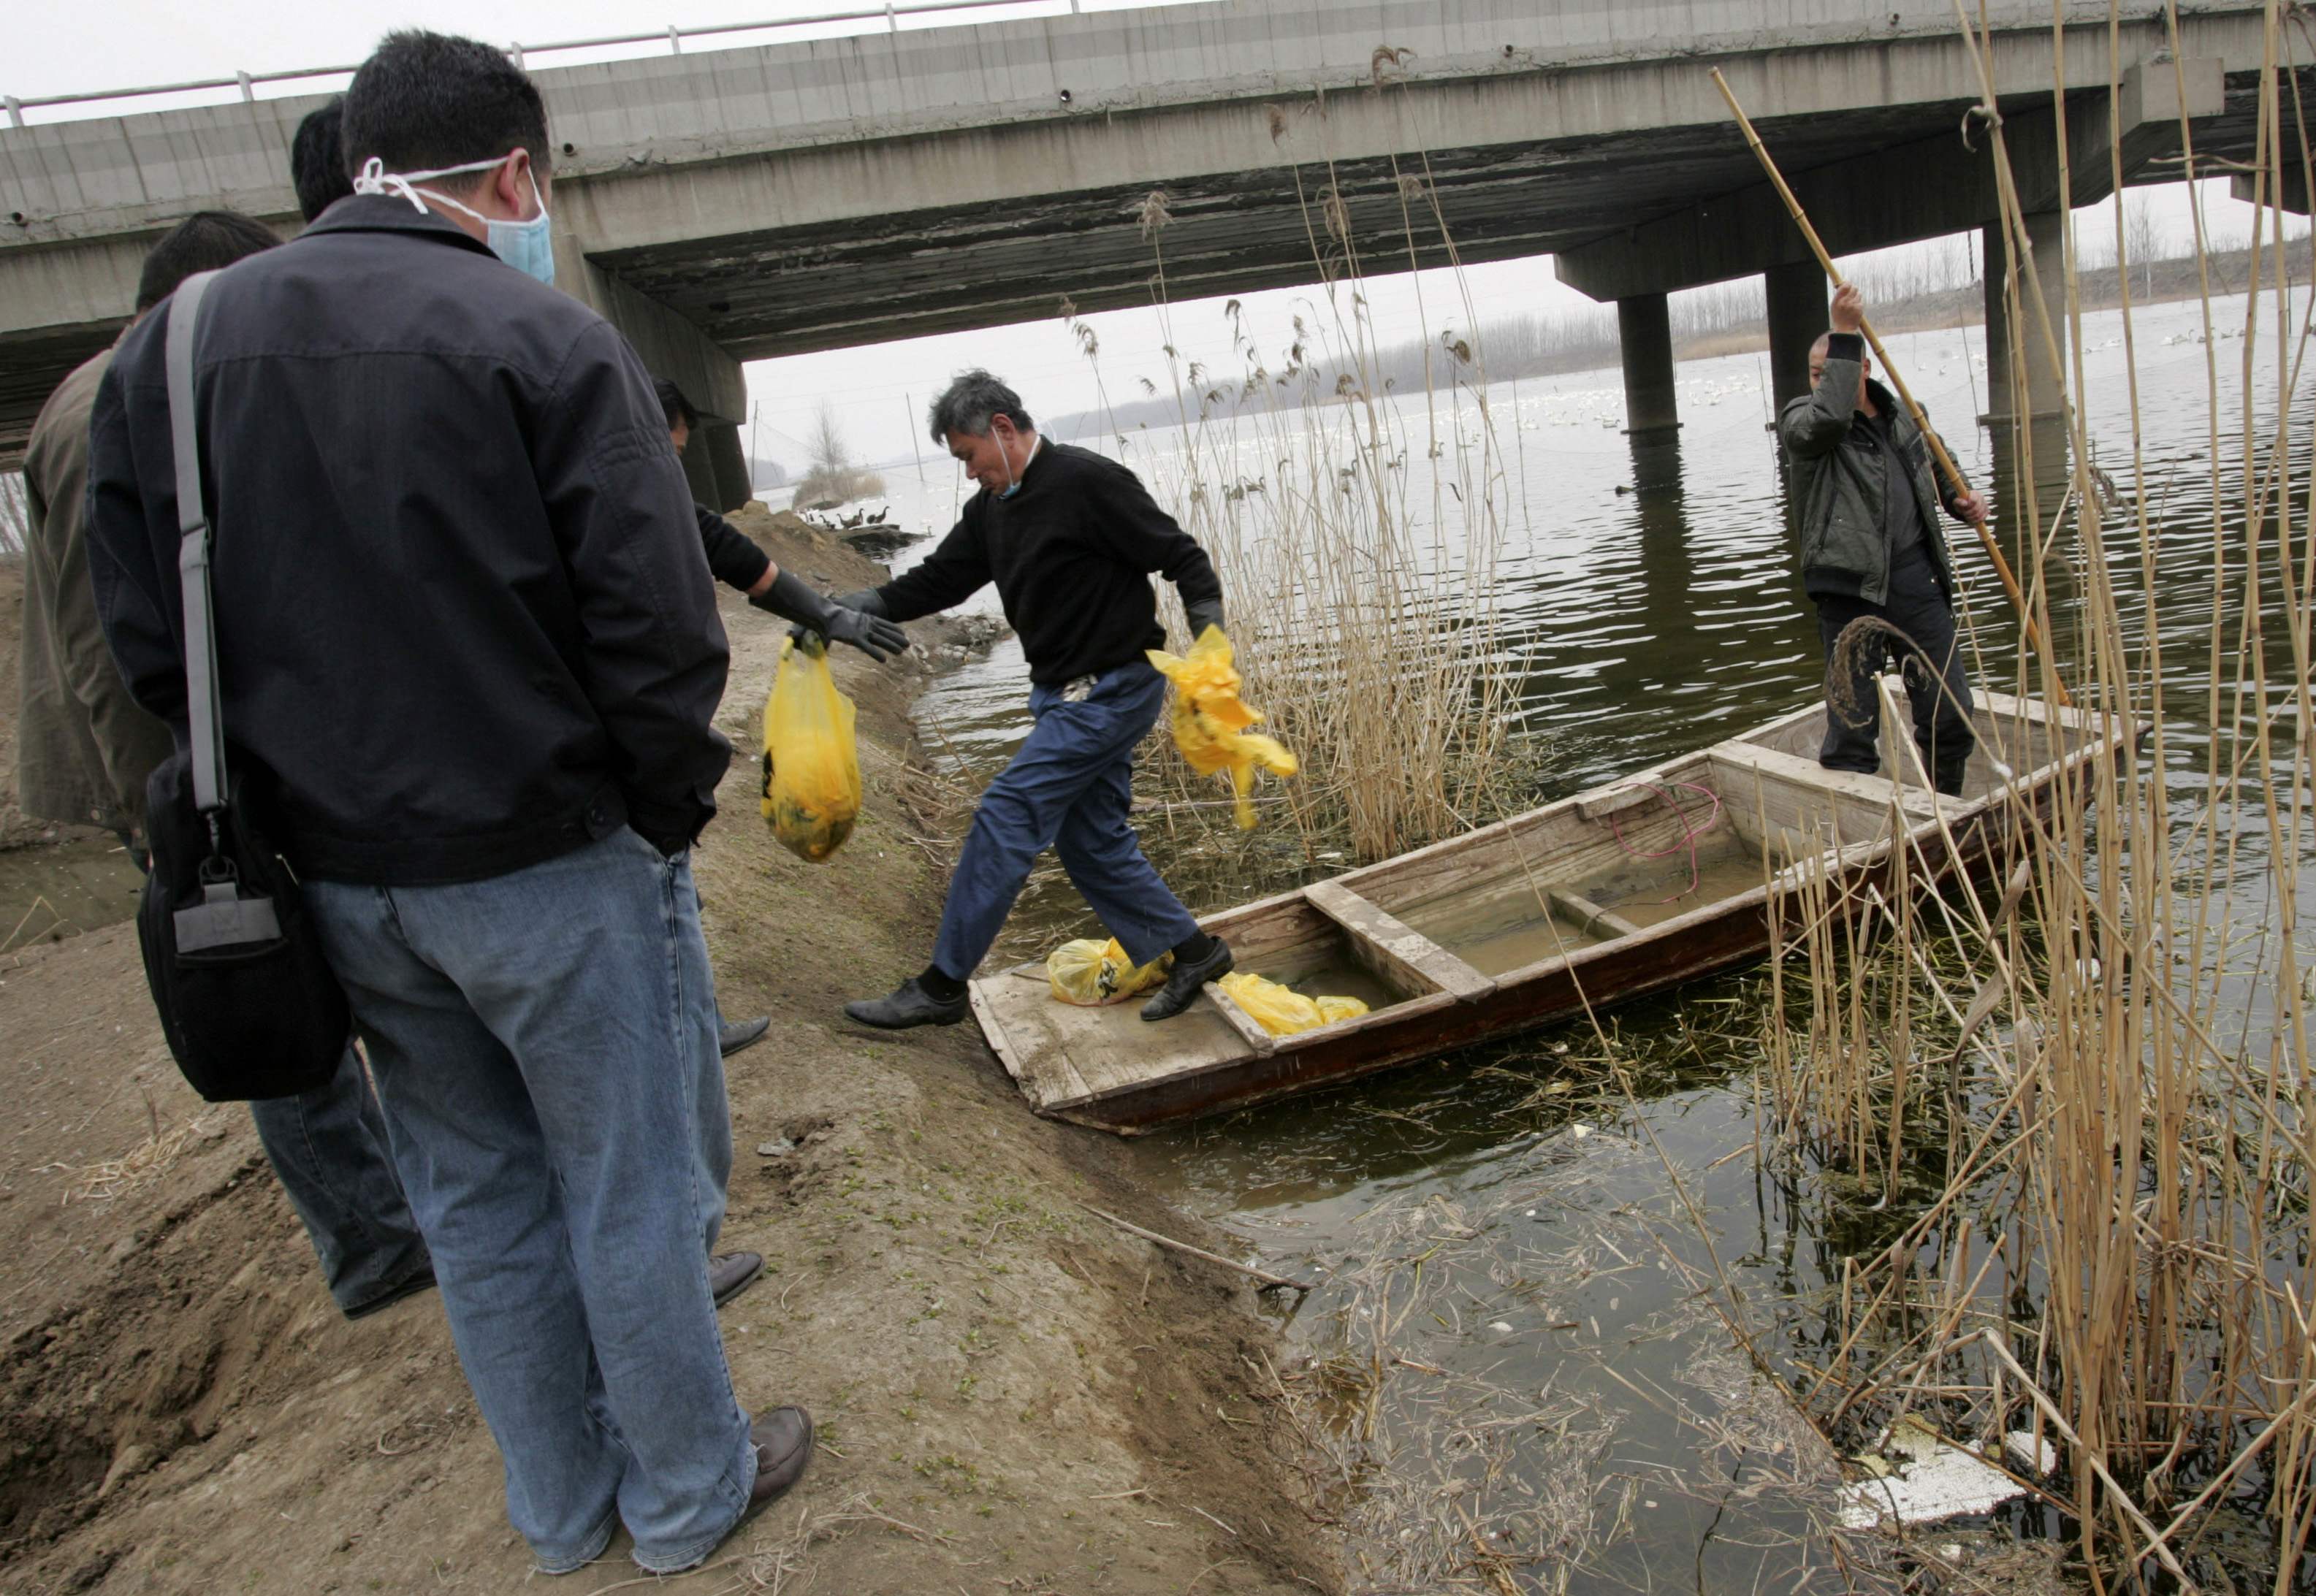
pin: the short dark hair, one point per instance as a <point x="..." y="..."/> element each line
<point x="426" y="100"/>
<point x="675" y="406"/>
<point x="204" y="241"/>
<point x="971" y="400"/>
<point x="317" y="160"/>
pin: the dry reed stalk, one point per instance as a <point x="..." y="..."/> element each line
<point x="2128" y="1112"/>
<point x="1366" y="631"/>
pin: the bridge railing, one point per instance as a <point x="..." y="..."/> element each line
<point x="247" y="83"/>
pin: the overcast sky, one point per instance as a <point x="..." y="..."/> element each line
<point x="61" y="49"/>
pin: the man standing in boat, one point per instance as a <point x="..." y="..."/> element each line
<point x="1871" y="546"/>
<point x="1070" y="539"/>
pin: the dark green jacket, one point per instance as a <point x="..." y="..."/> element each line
<point x="1835" y="474"/>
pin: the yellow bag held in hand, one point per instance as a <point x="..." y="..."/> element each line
<point x="1210" y="723"/>
<point x="812" y="770"/>
<point x="1283" y="1011"/>
<point x="1091" y="973"/>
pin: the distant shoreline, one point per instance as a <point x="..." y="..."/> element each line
<point x="1403" y="367"/>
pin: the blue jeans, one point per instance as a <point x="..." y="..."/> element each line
<point x="545" y="1048"/>
<point x="329" y="1146"/>
<point x="1070" y="789"/>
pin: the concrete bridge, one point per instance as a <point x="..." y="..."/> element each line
<point x="730" y="205"/>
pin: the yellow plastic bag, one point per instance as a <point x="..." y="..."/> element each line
<point x="1210" y="723"/>
<point x="812" y="770"/>
<point x="1283" y="1011"/>
<point x="1091" y="973"/>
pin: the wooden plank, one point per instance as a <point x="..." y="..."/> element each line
<point x="2028" y="709"/>
<point x="1380" y="938"/>
<point x="1601" y="804"/>
<point x="1037" y="1062"/>
<point x="1875" y="790"/>
<point x="1590" y="916"/>
<point x="1250" y="1029"/>
<point x="1115" y="1049"/>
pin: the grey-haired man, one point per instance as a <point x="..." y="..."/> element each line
<point x="1071" y="540"/>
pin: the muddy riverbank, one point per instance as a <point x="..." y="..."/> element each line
<point x="1012" y="1395"/>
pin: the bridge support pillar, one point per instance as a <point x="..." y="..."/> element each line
<point x="727" y="463"/>
<point x="674" y="349"/>
<point x="2018" y="349"/>
<point x="1796" y="295"/>
<point x="1644" y="334"/>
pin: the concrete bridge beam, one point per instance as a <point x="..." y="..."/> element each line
<point x="1796" y="295"/>
<point x="2287" y="189"/>
<point x="1644" y="336"/>
<point x="1898" y="193"/>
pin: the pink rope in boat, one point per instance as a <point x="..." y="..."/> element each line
<point x="1689" y="833"/>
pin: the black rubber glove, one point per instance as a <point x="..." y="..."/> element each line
<point x="841" y="621"/>
<point x="1205" y="613"/>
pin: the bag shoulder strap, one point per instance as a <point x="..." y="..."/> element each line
<point x="207" y="725"/>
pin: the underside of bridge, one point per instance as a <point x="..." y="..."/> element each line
<point x="789" y="290"/>
<point x="726" y="207"/>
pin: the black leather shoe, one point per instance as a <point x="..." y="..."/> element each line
<point x="731" y="1273"/>
<point x="907" y="1004"/>
<point x="783" y="1442"/>
<point x="732" y="1035"/>
<point x="1184" y="983"/>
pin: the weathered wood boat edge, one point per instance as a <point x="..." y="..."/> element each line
<point x="1971" y="837"/>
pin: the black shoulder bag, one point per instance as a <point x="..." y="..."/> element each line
<point x="250" y="1007"/>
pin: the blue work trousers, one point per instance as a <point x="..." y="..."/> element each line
<point x="1071" y="788"/>
<point x="329" y="1147"/>
<point x="544" y="1044"/>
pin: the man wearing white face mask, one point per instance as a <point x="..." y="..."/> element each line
<point x="465" y="637"/>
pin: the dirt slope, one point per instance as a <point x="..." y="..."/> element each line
<point x="1012" y="1397"/>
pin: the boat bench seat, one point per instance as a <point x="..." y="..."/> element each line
<point x="1394" y="950"/>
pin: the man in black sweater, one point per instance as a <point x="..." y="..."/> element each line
<point x="1070" y="539"/>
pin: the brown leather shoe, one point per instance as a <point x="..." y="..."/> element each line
<point x="731" y="1273"/>
<point x="783" y="1442"/>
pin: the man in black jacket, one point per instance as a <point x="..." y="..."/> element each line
<point x="1870" y="546"/>
<point x="1070" y="539"/>
<point x="738" y="563"/>
<point x="465" y="634"/>
<point x="317" y="161"/>
<point x="327" y="1146"/>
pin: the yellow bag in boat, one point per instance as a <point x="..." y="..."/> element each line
<point x="1091" y="973"/>
<point x="1283" y="1011"/>
<point x="1210" y="723"/>
<point x="812" y="768"/>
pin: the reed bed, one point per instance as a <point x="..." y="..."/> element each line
<point x="2063" y="1128"/>
<point x="1355" y="531"/>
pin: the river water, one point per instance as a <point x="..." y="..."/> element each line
<point x="1514" y="1333"/>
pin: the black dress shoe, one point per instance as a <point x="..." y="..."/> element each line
<point x="906" y="1005"/>
<point x="783" y="1442"/>
<point x="1184" y="983"/>
<point x="732" y="1035"/>
<point x="731" y="1273"/>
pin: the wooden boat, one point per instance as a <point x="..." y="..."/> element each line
<point x="1630" y="888"/>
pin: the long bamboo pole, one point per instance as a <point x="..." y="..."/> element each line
<point x="1921" y="423"/>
